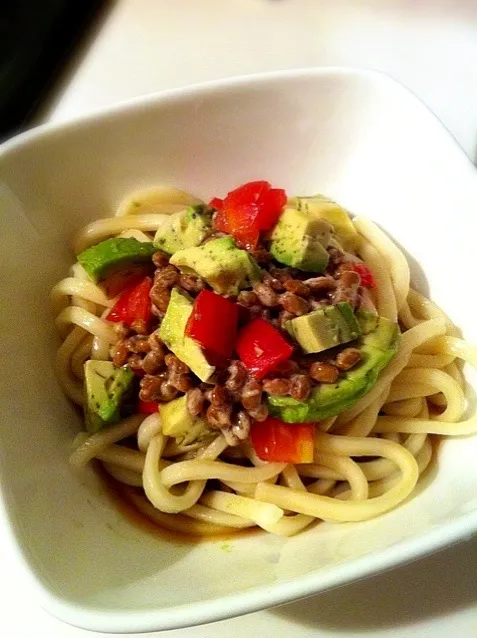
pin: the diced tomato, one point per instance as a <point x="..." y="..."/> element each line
<point x="216" y="203"/>
<point x="249" y="209"/>
<point x="261" y="347"/>
<point x="147" y="407"/>
<point x="134" y="304"/>
<point x="140" y="302"/>
<point x="366" y="276"/>
<point x="270" y="210"/>
<point x="222" y="222"/>
<point x="215" y="359"/>
<point x="246" y="237"/>
<point x="213" y="323"/>
<point x="276" y="441"/>
<point x="119" y="312"/>
<point x="248" y="193"/>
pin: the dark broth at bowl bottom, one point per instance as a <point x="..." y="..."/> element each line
<point x="131" y="503"/>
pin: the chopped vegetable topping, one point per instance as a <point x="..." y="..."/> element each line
<point x="261" y="347"/>
<point x="273" y="319"/>
<point x="249" y="209"/>
<point x="216" y="203"/>
<point x="115" y="261"/>
<point x="213" y="323"/>
<point x="147" y="407"/>
<point x="367" y="279"/>
<point x="133" y="304"/>
<point x="276" y="441"/>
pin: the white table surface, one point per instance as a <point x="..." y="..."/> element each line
<point x="430" y="46"/>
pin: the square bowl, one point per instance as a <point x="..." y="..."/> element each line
<point x="360" y="138"/>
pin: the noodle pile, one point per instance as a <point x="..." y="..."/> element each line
<point x="418" y="394"/>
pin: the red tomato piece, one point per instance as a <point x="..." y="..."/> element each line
<point x="119" y="312"/>
<point x="222" y="222"/>
<point x="249" y="209"/>
<point x="147" y="407"/>
<point x="140" y="302"/>
<point x="213" y="323"/>
<point x="271" y="208"/>
<point x="133" y="304"/>
<point x="249" y="193"/>
<point x="247" y="238"/>
<point x="366" y="276"/>
<point x="216" y="203"/>
<point x="261" y="347"/>
<point x="279" y="442"/>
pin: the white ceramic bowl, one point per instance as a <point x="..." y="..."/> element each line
<point x="356" y="136"/>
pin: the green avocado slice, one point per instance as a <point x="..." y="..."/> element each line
<point x="338" y="217"/>
<point x="300" y="240"/>
<point x="106" y="389"/>
<point x="116" y="260"/>
<point x="177" y="422"/>
<point x="367" y="320"/>
<point x="186" y="229"/>
<point x="327" y="400"/>
<point x="325" y="328"/>
<point x="226" y="268"/>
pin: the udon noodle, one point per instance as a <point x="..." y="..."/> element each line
<point x="209" y="490"/>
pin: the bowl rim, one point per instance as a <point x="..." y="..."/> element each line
<point x="263" y="596"/>
<point x="142" y="102"/>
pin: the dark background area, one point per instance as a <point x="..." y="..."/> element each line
<point x="37" y="40"/>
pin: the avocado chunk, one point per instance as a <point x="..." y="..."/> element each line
<point x="186" y="229"/>
<point x="327" y="400"/>
<point x="226" y="268"/>
<point x="367" y="320"/>
<point x="338" y="217"/>
<point x="106" y="388"/>
<point x="115" y="261"/>
<point x="172" y="333"/>
<point x="300" y="240"/>
<point x="177" y="422"/>
<point x="325" y="328"/>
